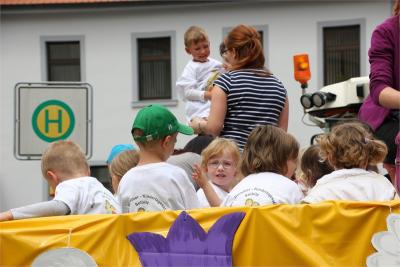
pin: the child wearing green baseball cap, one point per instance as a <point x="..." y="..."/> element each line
<point x="155" y="185"/>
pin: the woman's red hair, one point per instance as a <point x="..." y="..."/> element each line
<point x="245" y="42"/>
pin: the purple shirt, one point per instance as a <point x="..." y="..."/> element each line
<point x="384" y="57"/>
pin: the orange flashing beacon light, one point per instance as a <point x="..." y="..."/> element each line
<point x="302" y="72"/>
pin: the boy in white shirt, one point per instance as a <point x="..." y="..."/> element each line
<point x="196" y="80"/>
<point x="65" y="168"/>
<point x="155" y="185"/>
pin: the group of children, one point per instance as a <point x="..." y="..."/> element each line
<point x="339" y="167"/>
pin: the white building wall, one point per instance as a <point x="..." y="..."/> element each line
<point x="292" y="29"/>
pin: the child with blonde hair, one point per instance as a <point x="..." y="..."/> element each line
<point x="268" y="162"/>
<point x="194" y="83"/>
<point x="219" y="162"/>
<point x="154" y="184"/>
<point x="120" y="164"/>
<point x="350" y="149"/>
<point x="65" y="168"/>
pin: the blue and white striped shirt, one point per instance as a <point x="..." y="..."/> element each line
<point x="252" y="99"/>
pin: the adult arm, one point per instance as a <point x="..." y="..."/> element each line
<point x="41" y="209"/>
<point x="215" y="122"/>
<point x="390" y="98"/>
<point x="284" y="116"/>
<point x="381" y="58"/>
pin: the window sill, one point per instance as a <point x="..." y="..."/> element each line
<point x="164" y="102"/>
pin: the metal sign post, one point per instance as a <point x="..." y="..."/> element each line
<point x="47" y="112"/>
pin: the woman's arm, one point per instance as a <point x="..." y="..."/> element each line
<point x="284" y="117"/>
<point x="218" y="108"/>
<point x="381" y="58"/>
<point x="216" y="119"/>
<point x="390" y="98"/>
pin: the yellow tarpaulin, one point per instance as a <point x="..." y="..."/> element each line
<point x="326" y="234"/>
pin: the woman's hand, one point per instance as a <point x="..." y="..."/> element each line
<point x="198" y="125"/>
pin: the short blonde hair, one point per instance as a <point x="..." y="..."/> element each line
<point x="268" y="149"/>
<point x="123" y="162"/>
<point x="194" y="34"/>
<point x="217" y="147"/>
<point x="65" y="158"/>
<point x="350" y="145"/>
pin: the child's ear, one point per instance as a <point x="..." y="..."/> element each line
<point x="165" y="141"/>
<point x="53" y="179"/>
<point x="187" y="50"/>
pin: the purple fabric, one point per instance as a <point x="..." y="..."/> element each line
<point x="187" y="244"/>
<point x="384" y="58"/>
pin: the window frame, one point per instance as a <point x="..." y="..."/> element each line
<point x="136" y="102"/>
<point x="320" y="40"/>
<point x="67" y="38"/>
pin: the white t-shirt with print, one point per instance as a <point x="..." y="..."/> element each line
<point x="221" y="193"/>
<point x="351" y="184"/>
<point x="156" y="187"/>
<point x="86" y="195"/>
<point x="263" y="188"/>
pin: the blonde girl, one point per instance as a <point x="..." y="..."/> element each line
<point x="218" y="172"/>
<point x="122" y="163"/>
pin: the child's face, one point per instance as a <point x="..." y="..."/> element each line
<point x="221" y="170"/>
<point x="200" y="51"/>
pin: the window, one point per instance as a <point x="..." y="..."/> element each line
<point x="153" y="68"/>
<point x="154" y="55"/>
<point x="342" y="50"/>
<point x="101" y="172"/>
<point x="63" y="61"/>
<point x="261" y="37"/>
<point x="62" y="58"/>
<point x="341" y="53"/>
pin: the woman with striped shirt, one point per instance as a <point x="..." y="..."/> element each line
<point x="247" y="95"/>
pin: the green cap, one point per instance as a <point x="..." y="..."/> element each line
<point x="156" y="122"/>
